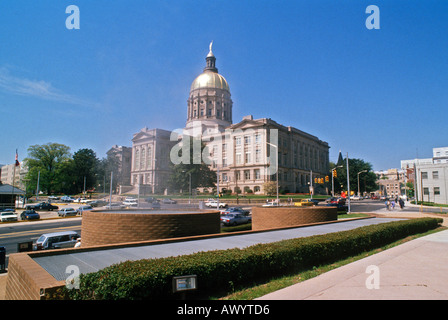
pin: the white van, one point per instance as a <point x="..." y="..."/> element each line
<point x="57" y="240"/>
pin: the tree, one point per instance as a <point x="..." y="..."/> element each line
<point x="201" y="175"/>
<point x="85" y="164"/>
<point x="367" y="180"/>
<point x="270" y="188"/>
<point x="103" y="173"/>
<point x="51" y="160"/>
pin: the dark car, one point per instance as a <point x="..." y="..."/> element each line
<point x="235" y="210"/>
<point x="168" y="201"/>
<point x="314" y="201"/>
<point x="234" y="219"/>
<point x="150" y="199"/>
<point x="42" y="206"/>
<point x="29" y="215"/>
<point x="341" y="207"/>
<point x="98" y="203"/>
<point x="155" y="205"/>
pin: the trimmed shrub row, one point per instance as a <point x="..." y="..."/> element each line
<point x="223" y="269"/>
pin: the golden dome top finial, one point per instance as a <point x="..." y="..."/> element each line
<point x="210" y="54"/>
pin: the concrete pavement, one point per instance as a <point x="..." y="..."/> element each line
<point x="415" y="270"/>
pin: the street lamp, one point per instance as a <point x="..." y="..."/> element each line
<point x="189" y="196"/>
<point x="276" y="173"/>
<point x="358" y="181"/>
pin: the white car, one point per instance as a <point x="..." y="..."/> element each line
<point x="114" y="205"/>
<point x="214" y="204"/>
<point x="130" y="202"/>
<point x="271" y="204"/>
<point x="82" y="209"/>
<point x="8" y="216"/>
<point x="67" y="211"/>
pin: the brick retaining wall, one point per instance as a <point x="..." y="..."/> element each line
<point x="109" y="227"/>
<point x="280" y="217"/>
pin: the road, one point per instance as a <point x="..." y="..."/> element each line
<point x="11" y="234"/>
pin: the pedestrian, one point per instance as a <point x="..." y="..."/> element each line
<point x="78" y="243"/>
<point x="387" y="204"/>
<point x="401" y="202"/>
<point x="392" y="204"/>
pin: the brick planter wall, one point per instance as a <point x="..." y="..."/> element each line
<point x="280" y="217"/>
<point x="110" y="227"/>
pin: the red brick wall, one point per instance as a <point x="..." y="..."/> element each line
<point x="109" y="227"/>
<point x="27" y="280"/>
<point x="272" y="217"/>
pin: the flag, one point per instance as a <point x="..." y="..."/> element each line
<point x="17" y="159"/>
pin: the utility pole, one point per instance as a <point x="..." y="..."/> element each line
<point x="348" y="185"/>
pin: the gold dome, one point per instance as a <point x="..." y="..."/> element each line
<point x="210" y="79"/>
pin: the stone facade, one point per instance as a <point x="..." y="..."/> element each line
<point x="246" y="153"/>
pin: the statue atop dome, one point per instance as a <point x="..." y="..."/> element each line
<point x="210" y="54"/>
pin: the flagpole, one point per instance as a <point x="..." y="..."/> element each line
<point x="16" y="162"/>
<point x="13" y="180"/>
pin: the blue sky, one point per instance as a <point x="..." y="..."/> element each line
<point x="378" y="95"/>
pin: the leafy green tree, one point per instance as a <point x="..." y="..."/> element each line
<point x="270" y="188"/>
<point x="52" y="160"/>
<point x="103" y="173"/>
<point x="367" y="180"/>
<point x="85" y="164"/>
<point x="201" y="175"/>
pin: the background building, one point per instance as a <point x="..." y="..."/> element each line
<point x="430" y="176"/>
<point x="14" y="175"/>
<point x="122" y="156"/>
<point x="391" y="182"/>
<point x="240" y="152"/>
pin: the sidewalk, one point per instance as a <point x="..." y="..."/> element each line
<point x="415" y="270"/>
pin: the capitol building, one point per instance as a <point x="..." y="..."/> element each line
<point x="244" y="155"/>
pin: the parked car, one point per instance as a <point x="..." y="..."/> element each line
<point x="98" y="203"/>
<point x="66" y="212"/>
<point x="114" y="205"/>
<point x="314" y="201"/>
<point x="168" y="201"/>
<point x="304" y="203"/>
<point x="57" y="240"/>
<point x="130" y="202"/>
<point x="271" y="204"/>
<point x="331" y="200"/>
<point x="83" y="209"/>
<point x="234" y="219"/>
<point x="67" y="199"/>
<point x="8" y="216"/>
<point x="29" y="215"/>
<point x="235" y="210"/>
<point x="214" y="204"/>
<point x="342" y="208"/>
<point x="150" y="199"/>
<point x="42" y="206"/>
<point x="155" y="204"/>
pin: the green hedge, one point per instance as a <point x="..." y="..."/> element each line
<point x="222" y="269"/>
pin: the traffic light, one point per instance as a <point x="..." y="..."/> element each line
<point x="335" y="173"/>
<point x="327" y="178"/>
